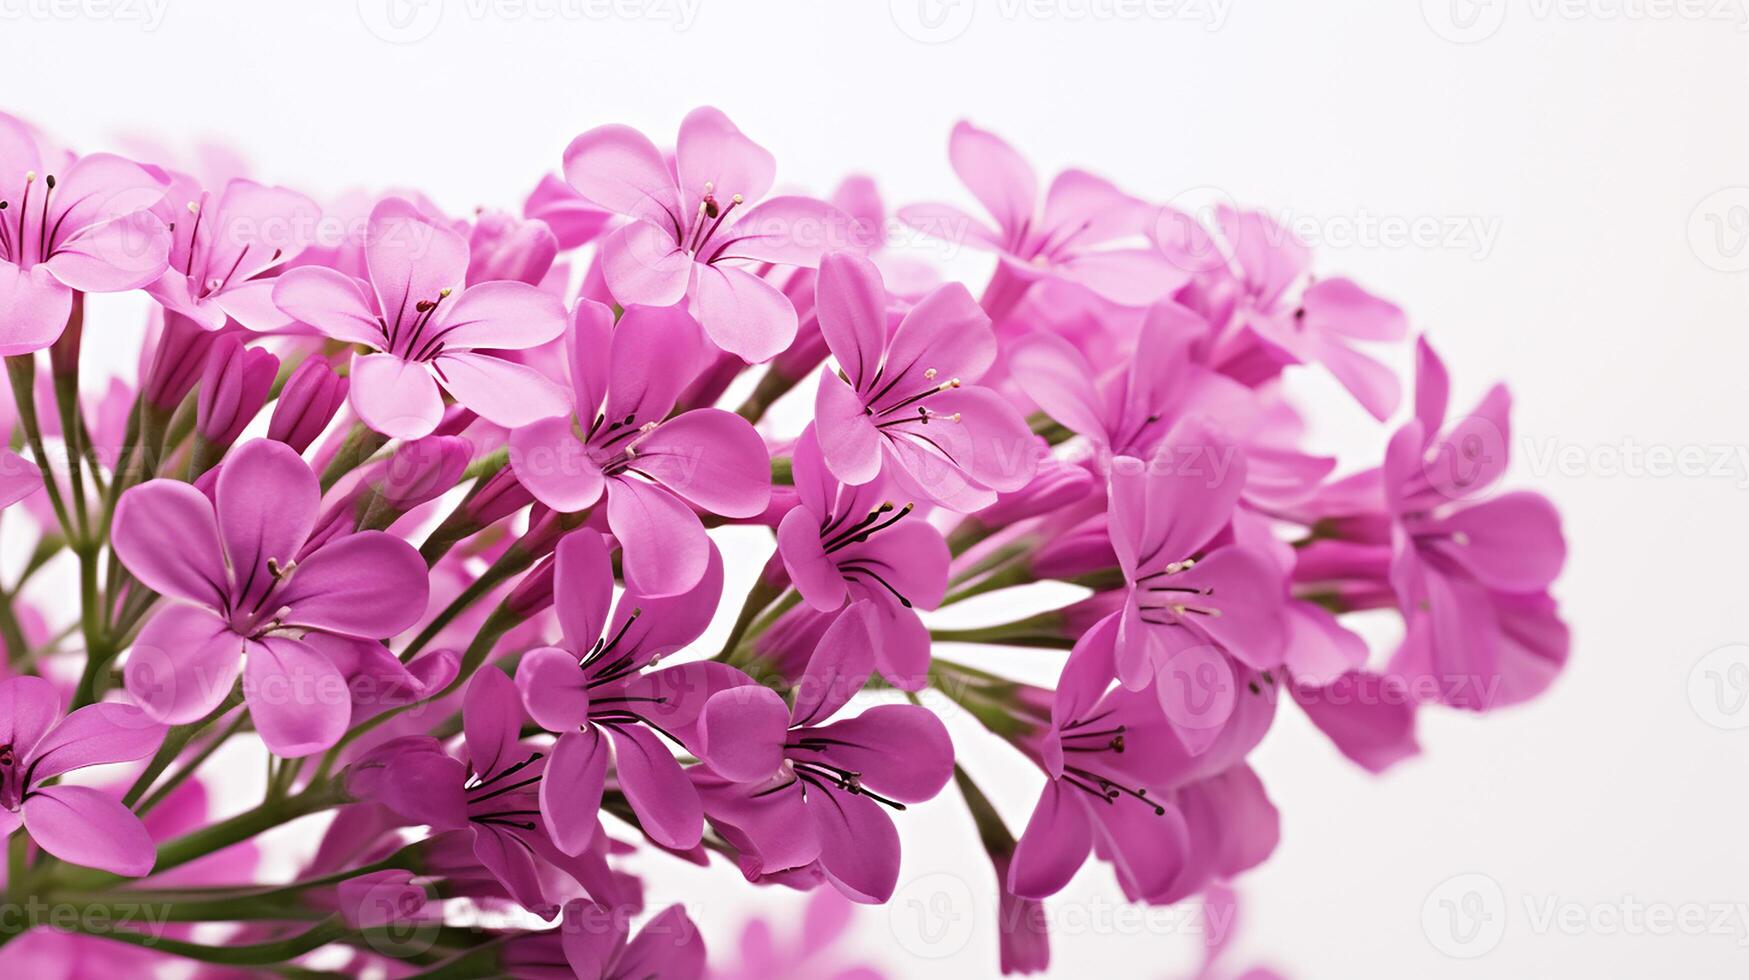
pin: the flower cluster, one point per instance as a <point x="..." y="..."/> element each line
<point x="422" y="507"/>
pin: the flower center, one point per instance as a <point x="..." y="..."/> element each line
<point x="491" y="801"/>
<point x="707" y="220"/>
<point x="1091" y="746"/>
<point x="405" y="337"/>
<point x="25" y="235"/>
<point x="1171" y="603"/>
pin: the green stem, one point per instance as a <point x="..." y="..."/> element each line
<point x="258" y="954"/>
<point x="1042" y="630"/>
<point x="760" y="596"/>
<point x="772" y="386"/>
<point x="188" y="767"/>
<point x="360" y="443"/>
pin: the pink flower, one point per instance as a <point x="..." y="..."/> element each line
<point x="696" y="223"/>
<point x="245" y="594"/>
<point x="225" y="249"/>
<point x="597" y="943"/>
<point x="1116" y="765"/>
<point x="1076" y="235"/>
<point x="427" y="328"/>
<point x="596" y="691"/>
<point x="844" y="544"/>
<point x="77" y="824"/>
<point x="1195" y="598"/>
<point x="622" y="443"/>
<point x="68" y="225"/>
<point x="794" y="791"/>
<point x="905" y="400"/>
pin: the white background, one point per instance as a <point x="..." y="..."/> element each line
<point x="1582" y="169"/>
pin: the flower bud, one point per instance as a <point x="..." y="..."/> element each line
<point x="177" y="360"/>
<point x="307" y="403"/>
<point x="423" y="470"/>
<point x="502" y="246"/>
<point x="233" y="389"/>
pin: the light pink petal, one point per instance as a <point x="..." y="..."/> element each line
<point x="710" y="150"/>
<point x="1054" y="845"/>
<point x="183" y="664"/>
<point x="297" y="698"/>
<point x="1512" y="543"/>
<point x="29" y="707"/>
<point x="88" y="827"/>
<point x="166" y="535"/>
<point x="1372" y="383"/>
<point x="95" y="735"/>
<point x="591" y="333"/>
<point x="1197" y="691"/>
<point x="591" y="937"/>
<point x="902" y="650"/>
<point x="1127" y="277"/>
<point x="859" y="846"/>
<point x="395" y="397"/>
<point x="741" y="733"/>
<point x="1432" y="388"/>
<point x="1055" y="375"/>
<point x="1319" y="649"/>
<point x="1247" y="591"/>
<point x="266" y="502"/>
<point x="669" y="622"/>
<point x="996" y="175"/>
<point x="33" y="309"/>
<point x="1369" y="717"/>
<point x="251" y="304"/>
<point x="411" y="258"/>
<point x="851" y="304"/>
<point x="654" y="354"/>
<point x="642" y="264"/>
<point x="505" y="392"/>
<point x="1342" y="307"/>
<point x="571" y="788"/>
<point x="502" y="315"/>
<point x="552" y="463"/>
<point x="848" y="439"/>
<point x="947" y="332"/>
<point x="1167" y="507"/>
<point x="1148" y="847"/>
<point x="683" y="690"/>
<point x="369" y="584"/>
<point x="976" y="436"/>
<point x="333" y="303"/>
<point x="712" y="458"/>
<point x="663" y="546"/>
<point x="1093" y="209"/>
<point x="669" y="947"/>
<point x="125" y="250"/>
<point x="554" y="689"/>
<point x="582" y="587"/>
<point x="743" y="314"/>
<point x="815" y="575"/>
<point x="619" y="168"/>
<point x="788" y="230"/>
<point x="665" y="801"/>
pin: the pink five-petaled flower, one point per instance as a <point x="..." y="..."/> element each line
<point x="224" y="248"/>
<point x="68" y="225"/>
<point x="1194" y="597"/>
<point x="1471" y="571"/>
<point x="245" y="594"/>
<point x="597" y="942"/>
<point x="845" y="543"/>
<point x="621" y="442"/>
<point x="1115" y="768"/>
<point x="74" y="823"/>
<point x="1077" y="236"/>
<point x="427" y="329"/>
<point x="595" y="691"/>
<point x="904" y="401"/>
<point x="694" y="224"/>
<point x="792" y="790"/>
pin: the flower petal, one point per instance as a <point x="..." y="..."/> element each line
<point x="33" y="309"/>
<point x="370" y="584"/>
<point x="712" y="458"/>
<point x="297" y="698"/>
<point x="743" y="314"/>
<point x="741" y="733"/>
<point x="554" y="690"/>
<point x="166" y="534"/>
<point x="571" y="787"/>
<point x="663" y="547"/>
<point x="553" y="464"/>
<point x="664" y="799"/>
<point x="183" y="664"/>
<point x="88" y="827"/>
<point x="501" y="391"/>
<point x="395" y="397"/>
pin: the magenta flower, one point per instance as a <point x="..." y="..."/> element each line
<point x="597" y="942"/>
<point x="1077" y="235"/>
<point x="792" y="790"/>
<point x="844" y="544"/>
<point x="905" y="400"/>
<point x="225" y="249"/>
<point x="1470" y="571"/>
<point x="244" y="594"/>
<point x="1195" y="599"/>
<point x="1115" y="764"/>
<point x="78" y="824"/>
<point x="622" y="443"/>
<point x="595" y="690"/>
<point x="427" y="330"/>
<point x="697" y="223"/>
<point x="68" y="225"/>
